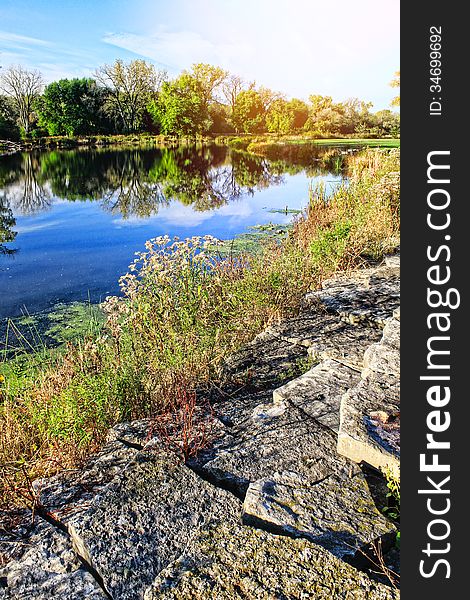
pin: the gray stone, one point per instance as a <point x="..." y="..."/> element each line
<point x="232" y="561"/>
<point x="144" y="519"/>
<point x="267" y="412"/>
<point x="336" y="512"/>
<point x="347" y="346"/>
<point x="236" y="408"/>
<point x="393" y="261"/>
<point x="382" y="360"/>
<point x="265" y="361"/>
<point x="368" y="296"/>
<point x="134" y="433"/>
<point x="283" y="463"/>
<point x="276" y="437"/>
<point x="370" y="412"/>
<point x="368" y="425"/>
<point x="318" y="392"/>
<point x="48" y="568"/>
<point x="325" y="336"/>
<point x="137" y="522"/>
<point x="72" y="491"/>
<point x="391" y="332"/>
<point x="302" y="329"/>
<point x="347" y="281"/>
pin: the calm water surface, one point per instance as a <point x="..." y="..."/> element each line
<point x="71" y="221"/>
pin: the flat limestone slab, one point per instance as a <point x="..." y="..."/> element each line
<point x="73" y="491"/>
<point x="382" y="360"/>
<point x="362" y="436"/>
<point x="276" y="437"/>
<point x="318" y="392"/>
<point x="265" y="361"/>
<point x="145" y="519"/>
<point x="283" y="464"/>
<point x="45" y="564"/>
<point x="232" y="561"/>
<point x="48" y="569"/>
<point x="370" y="411"/>
<point x="368" y="296"/>
<point x="326" y="336"/>
<point x="336" y="512"/>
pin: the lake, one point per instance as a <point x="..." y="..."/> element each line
<point x="71" y="221"/>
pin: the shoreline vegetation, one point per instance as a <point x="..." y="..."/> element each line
<point x="247" y="142"/>
<point x="185" y="307"/>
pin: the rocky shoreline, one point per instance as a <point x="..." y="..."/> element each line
<point x="281" y="501"/>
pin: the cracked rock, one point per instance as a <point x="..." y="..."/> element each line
<point x="269" y="509"/>
<point x="325" y="336"/>
<point x="231" y="561"/>
<point x="318" y="392"/>
<point x="359" y="439"/>
<point x="369" y="296"/>
<point x="370" y="411"/>
<point x="284" y="439"/>
<point x="265" y="361"/>
<point x="337" y="512"/>
<point x="145" y="519"/>
<point x="48" y="568"/>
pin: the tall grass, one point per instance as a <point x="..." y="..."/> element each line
<point x="183" y="309"/>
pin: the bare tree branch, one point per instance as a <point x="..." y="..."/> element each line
<point x="130" y="87"/>
<point x="23" y="87"/>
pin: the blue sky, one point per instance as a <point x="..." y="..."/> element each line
<point x="345" y="48"/>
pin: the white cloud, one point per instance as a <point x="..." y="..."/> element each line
<point x="21" y="42"/>
<point x="178" y="49"/>
<point x="55" y="61"/>
<point x="177" y="213"/>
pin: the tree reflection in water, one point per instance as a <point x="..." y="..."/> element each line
<point x="137" y="182"/>
<point x="131" y="183"/>
<point x="7" y="223"/>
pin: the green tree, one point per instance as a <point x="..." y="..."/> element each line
<point x="232" y="86"/>
<point x="329" y="118"/>
<point x="72" y="107"/>
<point x="248" y="115"/>
<point x="356" y="116"/>
<point x="285" y="117"/>
<point x="387" y="122"/>
<point x="181" y="108"/>
<point x="8" y="119"/>
<point x="280" y="117"/>
<point x="325" y="117"/>
<point x="130" y="87"/>
<point x="268" y="97"/>
<point x="219" y="115"/>
<point x="209" y="79"/>
<point x="300" y="111"/>
<point x="319" y="103"/>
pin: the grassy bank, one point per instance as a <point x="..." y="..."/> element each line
<point x="243" y="141"/>
<point x="146" y="140"/>
<point x="371" y="143"/>
<point x="308" y="153"/>
<point x="184" y="308"/>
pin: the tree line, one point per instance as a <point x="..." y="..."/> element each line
<point x="137" y="97"/>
